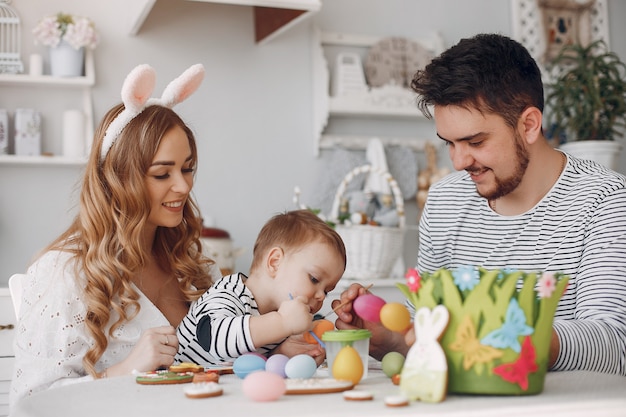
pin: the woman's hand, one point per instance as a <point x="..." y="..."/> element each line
<point x="383" y="340"/>
<point x="156" y="348"/>
<point x="296" y="345"/>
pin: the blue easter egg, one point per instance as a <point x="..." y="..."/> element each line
<point x="300" y="366"/>
<point x="247" y="363"/>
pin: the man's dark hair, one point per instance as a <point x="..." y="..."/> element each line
<point x="489" y="72"/>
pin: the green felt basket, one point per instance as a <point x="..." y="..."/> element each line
<point x="498" y="338"/>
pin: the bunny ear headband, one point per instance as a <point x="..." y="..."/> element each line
<point x="136" y="91"/>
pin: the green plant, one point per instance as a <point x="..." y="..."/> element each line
<point x="587" y="100"/>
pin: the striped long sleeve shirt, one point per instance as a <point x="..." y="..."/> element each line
<point x="217" y="327"/>
<point x="578" y="228"/>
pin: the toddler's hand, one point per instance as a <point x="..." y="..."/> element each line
<point x="296" y="315"/>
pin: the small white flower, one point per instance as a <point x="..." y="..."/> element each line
<point x="75" y="30"/>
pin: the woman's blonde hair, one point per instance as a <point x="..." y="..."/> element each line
<point x="105" y="237"/>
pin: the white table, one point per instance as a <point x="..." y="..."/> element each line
<point x="565" y="394"/>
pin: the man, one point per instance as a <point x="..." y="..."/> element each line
<point x="517" y="203"/>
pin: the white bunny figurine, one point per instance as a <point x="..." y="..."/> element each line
<point x="425" y="373"/>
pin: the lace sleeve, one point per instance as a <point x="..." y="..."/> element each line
<point x="51" y="338"/>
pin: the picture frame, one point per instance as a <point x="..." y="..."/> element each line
<point x="543" y="26"/>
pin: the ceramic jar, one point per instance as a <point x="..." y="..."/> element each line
<point x="217" y="245"/>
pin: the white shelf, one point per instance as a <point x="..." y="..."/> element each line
<point x="385" y="103"/>
<point x="353" y="107"/>
<point x="84" y="83"/>
<point x="271" y="17"/>
<point x="41" y="160"/>
<point x="88" y="80"/>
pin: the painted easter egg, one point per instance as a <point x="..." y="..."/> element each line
<point x="368" y="306"/>
<point x="300" y="366"/>
<point x="247" y="363"/>
<point x="319" y="328"/>
<point x="348" y="365"/>
<point x="395" y="317"/>
<point x="392" y="363"/>
<point x="263" y="386"/>
<point x="276" y="364"/>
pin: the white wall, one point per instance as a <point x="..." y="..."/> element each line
<point x="252" y="116"/>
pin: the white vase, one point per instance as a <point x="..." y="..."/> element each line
<point x="65" y="61"/>
<point x="604" y="152"/>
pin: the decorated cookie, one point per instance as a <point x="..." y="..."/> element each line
<point x="358" y="395"/>
<point x="164" y="377"/>
<point x="396" y="401"/>
<point x="207" y="376"/>
<point x="425" y="372"/>
<point x="203" y="390"/>
<point x="316" y="385"/>
<point x="186" y="367"/>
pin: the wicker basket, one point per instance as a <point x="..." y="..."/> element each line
<point x="371" y="250"/>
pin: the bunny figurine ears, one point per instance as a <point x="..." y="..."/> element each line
<point x="136" y="91"/>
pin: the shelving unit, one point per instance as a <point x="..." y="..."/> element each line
<point x="271" y="17"/>
<point x="84" y="83"/>
<point x="358" y="106"/>
<point x="7" y="357"/>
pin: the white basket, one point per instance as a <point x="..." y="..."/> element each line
<point x="371" y="250"/>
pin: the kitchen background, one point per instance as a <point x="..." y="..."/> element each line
<point x="255" y="115"/>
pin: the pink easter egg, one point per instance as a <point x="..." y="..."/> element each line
<point x="263" y="386"/>
<point x="367" y="306"/>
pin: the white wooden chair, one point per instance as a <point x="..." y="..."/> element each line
<point x="15" y="288"/>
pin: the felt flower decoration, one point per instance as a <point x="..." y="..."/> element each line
<point x="546" y="285"/>
<point x="465" y="277"/>
<point x="413" y="279"/>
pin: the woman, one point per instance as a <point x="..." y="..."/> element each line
<point x="105" y="297"/>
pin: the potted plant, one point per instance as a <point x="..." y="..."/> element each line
<point x="67" y="36"/>
<point x="586" y="102"/>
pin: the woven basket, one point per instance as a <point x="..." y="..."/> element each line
<point x="371" y="250"/>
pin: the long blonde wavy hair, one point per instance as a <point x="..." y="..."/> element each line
<point x="105" y="235"/>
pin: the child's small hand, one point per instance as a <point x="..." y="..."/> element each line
<point x="296" y="315"/>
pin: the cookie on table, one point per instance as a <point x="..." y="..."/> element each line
<point x="186" y="367"/>
<point x="357" y="395"/>
<point x="203" y="390"/>
<point x="206" y="376"/>
<point x="396" y="401"/>
<point x="164" y="377"/>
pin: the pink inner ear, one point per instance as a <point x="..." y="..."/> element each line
<point x="138" y="86"/>
<point x="190" y="88"/>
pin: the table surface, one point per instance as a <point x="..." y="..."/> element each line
<point x="569" y="394"/>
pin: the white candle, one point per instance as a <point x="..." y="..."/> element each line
<point x="36" y="65"/>
<point x="74" y="139"/>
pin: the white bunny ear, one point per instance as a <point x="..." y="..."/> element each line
<point x="439" y="320"/>
<point x="429" y="324"/>
<point x="136" y="91"/>
<point x="182" y="87"/>
<point x="138" y="87"/>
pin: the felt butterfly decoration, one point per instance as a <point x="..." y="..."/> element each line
<point x="514" y="326"/>
<point x="517" y="372"/>
<point x="467" y="343"/>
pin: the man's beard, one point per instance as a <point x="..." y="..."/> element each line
<point x="505" y="186"/>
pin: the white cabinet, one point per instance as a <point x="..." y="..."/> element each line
<point x="43" y="83"/>
<point x="7" y="333"/>
<point x="271" y="17"/>
<point x="388" y="105"/>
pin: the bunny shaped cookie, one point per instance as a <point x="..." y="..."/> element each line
<point x="425" y="373"/>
